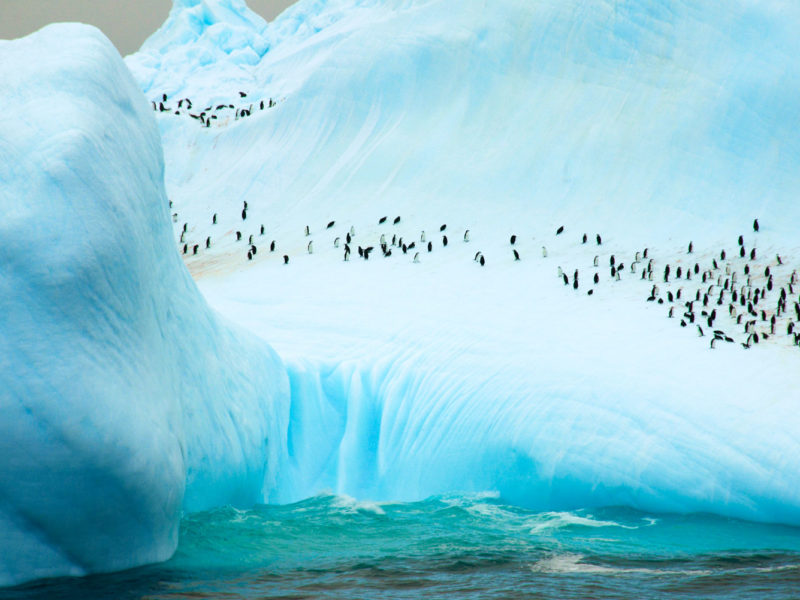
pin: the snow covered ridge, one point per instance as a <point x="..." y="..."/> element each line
<point x="112" y="364"/>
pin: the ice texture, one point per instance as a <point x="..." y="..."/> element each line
<point x="124" y="399"/>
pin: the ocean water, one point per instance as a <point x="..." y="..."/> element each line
<point x="459" y="546"/>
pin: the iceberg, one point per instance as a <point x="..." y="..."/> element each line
<point x="129" y="397"/>
<point x="125" y="399"/>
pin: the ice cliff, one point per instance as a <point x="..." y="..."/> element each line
<point x="124" y="398"/>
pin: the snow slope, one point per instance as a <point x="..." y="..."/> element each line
<point x="124" y="398"/>
<point x="652" y="123"/>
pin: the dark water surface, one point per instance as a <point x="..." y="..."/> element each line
<point x="453" y="547"/>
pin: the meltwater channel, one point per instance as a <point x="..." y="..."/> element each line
<point x="454" y="546"/>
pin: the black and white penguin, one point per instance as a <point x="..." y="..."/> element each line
<point x="308" y="231"/>
<point x="513" y="239"/>
<point x="560" y="230"/>
<point x="194" y="248"/>
<point x="430" y="246"/>
<point x="250" y="239"/>
<point x="443" y="227"/>
<point x="483" y="261"/>
<point x="336" y="243"/>
<point x="331" y="224"/>
<point x="753" y="254"/>
<point x="238" y="236"/>
<point x="396" y="220"/>
<point x="599" y="239"/>
<point x="596" y="278"/>
<point x="310" y="247"/>
<point x="444" y="240"/>
<point x="214" y="219"/>
<point x="185" y="248"/>
<point x="272" y="246"/>
<point x="244" y="214"/>
<point x="286" y="259"/>
<point x="416" y="257"/>
<point x="544" y="252"/>
<point x="516" y="255"/>
<point x="755" y="225"/>
<point x="585" y="238"/>
<point x="382" y="220"/>
<point x="262" y="230"/>
<point x="249" y="255"/>
<point x="253" y="249"/>
<point x="208" y="242"/>
<point x="691" y="247"/>
<point x="466" y="235"/>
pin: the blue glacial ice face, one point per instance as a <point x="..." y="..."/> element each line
<point x="124" y="398"/>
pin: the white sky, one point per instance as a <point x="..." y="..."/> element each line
<point x="127" y="23"/>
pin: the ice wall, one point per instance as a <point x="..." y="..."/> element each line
<point x="124" y="398"/>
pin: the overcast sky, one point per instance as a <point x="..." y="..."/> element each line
<point x="127" y="23"/>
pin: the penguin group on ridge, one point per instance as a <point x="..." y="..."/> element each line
<point x="213" y="112"/>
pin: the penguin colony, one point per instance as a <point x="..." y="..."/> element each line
<point x="213" y="112"/>
<point x="726" y="297"/>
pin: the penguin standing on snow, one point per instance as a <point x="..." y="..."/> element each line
<point x="516" y="255"/>
<point x="286" y="259"/>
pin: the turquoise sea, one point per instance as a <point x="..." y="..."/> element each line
<point x="455" y="546"/>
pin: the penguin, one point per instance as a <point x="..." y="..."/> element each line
<point x="645" y="252"/>
<point x="700" y="331"/>
<point x="183" y="236"/>
<point x="185" y="248"/>
<point x="352" y="231"/>
<point x="404" y="248"/>
<point x="590" y="292"/>
<point x="336" y="243"/>
<point x="691" y="247"/>
<point x="245" y="204"/>
<point x="244" y="214"/>
<point x="560" y="230"/>
<point x="272" y="246"/>
<point x="755" y="225"/>
<point x="566" y="279"/>
<point x="741" y="240"/>
<point x="430" y="246"/>
<point x="444" y="240"/>
<point x="361" y="252"/>
<point x="671" y="312"/>
<point x="286" y="259"/>
<point x="741" y="252"/>
<point x="330" y="224"/>
<point x="544" y="252"/>
<point x="396" y="220"/>
<point x="194" y="248"/>
<point x="516" y="255"/>
<point x="238" y="236"/>
<point x="574" y="284"/>
<point x="416" y="257"/>
<point x="382" y="220"/>
<point x="214" y="219"/>
<point x="250" y="240"/>
<point x="242" y="95"/>
<point x="208" y="242"/>
<point x="599" y="239"/>
<point x="261" y="105"/>
<point x="596" y="278"/>
<point x="253" y="249"/>
<point x="185" y="226"/>
<point x="466" y="235"/>
<point x="513" y="239"/>
<point x="596" y="260"/>
<point x="249" y="255"/>
<point x="348" y="238"/>
<point x="477" y="256"/>
<point x="753" y="254"/>
<point x="262" y="230"/>
<point x="443" y="227"/>
<point x="310" y="247"/>
<point x="722" y="255"/>
<point x="308" y="231"/>
<point x="713" y="340"/>
<point x="483" y="261"/>
<point x="422" y="237"/>
<point x="585" y="237"/>
<point x="346" y="254"/>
